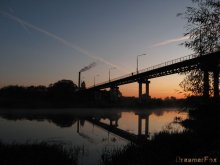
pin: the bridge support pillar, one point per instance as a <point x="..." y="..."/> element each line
<point x="140" y="91"/>
<point x="147" y="126"/>
<point x="206" y="84"/>
<point x="144" y="117"/>
<point x="139" y="125"/>
<point x="147" y="90"/>
<point x="216" y="83"/>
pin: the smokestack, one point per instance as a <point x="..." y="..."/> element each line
<point x="79" y="80"/>
<point x="83" y="70"/>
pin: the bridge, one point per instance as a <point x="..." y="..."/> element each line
<point x="206" y="63"/>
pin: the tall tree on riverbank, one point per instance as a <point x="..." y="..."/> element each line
<point x="203" y="30"/>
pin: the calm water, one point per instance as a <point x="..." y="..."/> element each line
<point x="86" y="128"/>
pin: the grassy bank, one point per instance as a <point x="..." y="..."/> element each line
<point x="200" y="139"/>
<point x="165" y="148"/>
<point x="37" y="154"/>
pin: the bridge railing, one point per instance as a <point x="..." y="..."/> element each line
<point x="167" y="63"/>
<point x="171" y="62"/>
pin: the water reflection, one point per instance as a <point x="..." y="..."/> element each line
<point x="111" y="120"/>
<point x="143" y="117"/>
<point x="95" y="129"/>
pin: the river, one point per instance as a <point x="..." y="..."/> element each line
<point x="93" y="130"/>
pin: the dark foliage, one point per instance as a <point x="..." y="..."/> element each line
<point x="202" y="27"/>
<point x="62" y="90"/>
<point x="63" y="93"/>
<point x="37" y="154"/>
<point x="201" y="138"/>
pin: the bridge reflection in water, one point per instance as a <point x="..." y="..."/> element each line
<point x="112" y="127"/>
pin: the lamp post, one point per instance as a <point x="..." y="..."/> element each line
<point x="95" y="77"/>
<point x="137" y="60"/>
<point x="109" y="73"/>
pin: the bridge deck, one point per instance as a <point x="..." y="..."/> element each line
<point x="179" y="65"/>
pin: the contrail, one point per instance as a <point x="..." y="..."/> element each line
<point x="166" y="42"/>
<point x="88" y="67"/>
<point x="60" y="39"/>
<point x="21" y="23"/>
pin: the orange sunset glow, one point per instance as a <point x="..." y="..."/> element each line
<point x="161" y="87"/>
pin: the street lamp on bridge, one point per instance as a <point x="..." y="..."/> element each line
<point x="137" y="60"/>
<point x="109" y="73"/>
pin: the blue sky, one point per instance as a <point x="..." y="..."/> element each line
<point x="43" y="41"/>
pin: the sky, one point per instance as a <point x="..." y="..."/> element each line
<point x="43" y="41"/>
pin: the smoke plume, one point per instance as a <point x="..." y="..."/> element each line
<point x="88" y="67"/>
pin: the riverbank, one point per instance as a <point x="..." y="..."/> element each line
<point x="199" y="143"/>
<point x="122" y="103"/>
<point x="37" y="154"/>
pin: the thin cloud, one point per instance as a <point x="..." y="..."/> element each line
<point x="60" y="39"/>
<point x="170" y="41"/>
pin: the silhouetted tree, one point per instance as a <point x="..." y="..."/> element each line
<point x="203" y="29"/>
<point x="36" y="92"/>
<point x="12" y="91"/>
<point x="31" y="92"/>
<point x="62" y="90"/>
